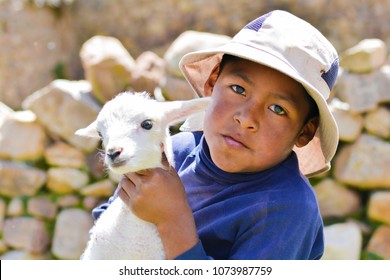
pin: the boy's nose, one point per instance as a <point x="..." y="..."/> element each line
<point x="246" y="121"/>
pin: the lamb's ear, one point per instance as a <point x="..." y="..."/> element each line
<point x="193" y="122"/>
<point x="89" y="131"/>
<point x="178" y="111"/>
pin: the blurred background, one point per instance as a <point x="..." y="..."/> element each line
<point x="48" y="54"/>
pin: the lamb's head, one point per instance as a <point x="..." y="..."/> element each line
<point x="135" y="128"/>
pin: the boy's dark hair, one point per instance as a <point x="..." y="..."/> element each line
<point x="313" y="112"/>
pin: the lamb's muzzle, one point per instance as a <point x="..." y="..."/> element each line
<point x="114" y="153"/>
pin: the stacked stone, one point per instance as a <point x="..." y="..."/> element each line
<point x="357" y="195"/>
<point x="50" y="179"/>
<point x="45" y="186"/>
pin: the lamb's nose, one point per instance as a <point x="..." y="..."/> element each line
<point x="114" y="153"/>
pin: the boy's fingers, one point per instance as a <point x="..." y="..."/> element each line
<point x="126" y="190"/>
<point x="123" y="196"/>
<point x="127" y="184"/>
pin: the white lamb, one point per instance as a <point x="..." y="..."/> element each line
<point x="135" y="132"/>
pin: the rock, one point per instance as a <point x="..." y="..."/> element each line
<point x="15" y="207"/>
<point x="187" y="42"/>
<point x="64" y="180"/>
<point x="91" y="202"/>
<point x="42" y="207"/>
<point x="71" y="233"/>
<point x="342" y="242"/>
<point x="24" y="255"/>
<point x="68" y="200"/>
<point x="363" y="92"/>
<point x="62" y="107"/>
<point x="364" y="57"/>
<point x="379" y="243"/>
<point x="3" y="207"/>
<point x="35" y="47"/>
<point x="103" y="188"/>
<point x="3" y="248"/>
<point x="350" y="124"/>
<point x="174" y="88"/>
<point x="26" y="233"/>
<point x="107" y="66"/>
<point x="335" y="200"/>
<point x="64" y="155"/>
<point x="379" y="207"/>
<point x="19" y="179"/>
<point x="377" y="122"/>
<point x="354" y="163"/>
<point x="14" y="130"/>
<point x="148" y="72"/>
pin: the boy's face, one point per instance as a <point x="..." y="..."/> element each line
<point x="256" y="117"/>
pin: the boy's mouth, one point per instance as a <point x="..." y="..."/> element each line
<point x="233" y="142"/>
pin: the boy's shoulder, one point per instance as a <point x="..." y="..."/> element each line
<point x="184" y="143"/>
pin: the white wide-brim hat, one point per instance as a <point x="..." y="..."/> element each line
<point x="292" y="46"/>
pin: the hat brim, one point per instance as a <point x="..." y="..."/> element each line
<point x="315" y="157"/>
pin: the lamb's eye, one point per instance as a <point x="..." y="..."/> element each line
<point x="100" y="134"/>
<point x="147" y="124"/>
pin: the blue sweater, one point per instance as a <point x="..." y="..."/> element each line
<point x="271" y="214"/>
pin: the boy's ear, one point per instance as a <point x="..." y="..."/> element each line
<point x="307" y="132"/>
<point x="210" y="83"/>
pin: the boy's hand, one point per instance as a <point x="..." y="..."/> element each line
<point x="154" y="195"/>
<point x="158" y="196"/>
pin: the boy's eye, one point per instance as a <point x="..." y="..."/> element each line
<point x="278" y="109"/>
<point x="238" y="89"/>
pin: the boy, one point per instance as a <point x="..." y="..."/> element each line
<point x="238" y="190"/>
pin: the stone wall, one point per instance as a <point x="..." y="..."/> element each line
<point x="355" y="198"/>
<point x="50" y="179"/>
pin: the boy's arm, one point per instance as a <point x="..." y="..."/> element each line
<point x="291" y="231"/>
<point x="178" y="236"/>
<point x="195" y="253"/>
